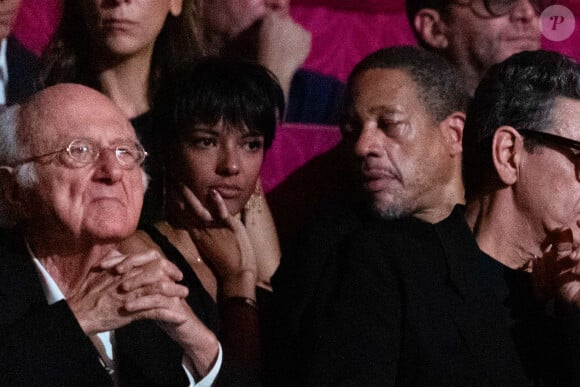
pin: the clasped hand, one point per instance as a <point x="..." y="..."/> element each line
<point x="124" y="288"/>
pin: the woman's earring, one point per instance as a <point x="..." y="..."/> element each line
<point x="255" y="201"/>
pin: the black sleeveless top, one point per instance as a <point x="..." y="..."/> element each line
<point x="198" y="299"/>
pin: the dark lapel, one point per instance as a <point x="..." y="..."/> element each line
<point x="474" y="305"/>
<point x="19" y="283"/>
<point x="146" y="355"/>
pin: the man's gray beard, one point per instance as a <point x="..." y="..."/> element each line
<point x="392" y="212"/>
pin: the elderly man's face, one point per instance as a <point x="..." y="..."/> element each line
<point x="404" y="162"/>
<point x="549" y="182"/>
<point x="95" y="202"/>
<point x="477" y="40"/>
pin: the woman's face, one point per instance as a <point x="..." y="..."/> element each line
<point x="222" y="158"/>
<point x="125" y="28"/>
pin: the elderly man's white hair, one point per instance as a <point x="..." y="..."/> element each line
<point x="12" y="150"/>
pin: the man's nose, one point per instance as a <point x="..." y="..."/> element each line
<point x="367" y="142"/>
<point x="108" y="166"/>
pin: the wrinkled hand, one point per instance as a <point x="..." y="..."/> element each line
<point x="557" y="273"/>
<point x="197" y="341"/>
<point x="220" y="237"/>
<point x="283" y="46"/>
<point x="123" y="289"/>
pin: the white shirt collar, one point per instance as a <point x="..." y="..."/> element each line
<point x="3" y="71"/>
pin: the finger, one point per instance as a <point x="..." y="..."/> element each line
<point x="164" y="288"/>
<point x="575" y="255"/>
<point x="569" y="277"/>
<point x="111" y="259"/>
<point x="198" y="209"/>
<point x="110" y="262"/>
<point x="561" y="241"/>
<point x="563" y="265"/>
<point x="235" y="224"/>
<point x="97" y="282"/>
<point x="167" y="316"/>
<point x="137" y="260"/>
<point x="220" y="204"/>
<point x="158" y="314"/>
<point x="158" y="307"/>
<point x="158" y="271"/>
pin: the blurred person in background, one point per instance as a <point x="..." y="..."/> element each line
<point x="127" y="50"/>
<point x="475" y="34"/>
<point x="18" y="66"/>
<point x="263" y="30"/>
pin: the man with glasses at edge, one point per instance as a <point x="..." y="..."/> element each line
<point x="74" y="311"/>
<point x="490" y="296"/>
<point x="475" y="34"/>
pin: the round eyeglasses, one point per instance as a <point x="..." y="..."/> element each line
<point x="497" y="8"/>
<point x="83" y="152"/>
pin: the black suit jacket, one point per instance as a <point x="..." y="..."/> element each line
<point x="23" y="71"/>
<point x="44" y="345"/>
<point x="421" y="305"/>
<point x="304" y="287"/>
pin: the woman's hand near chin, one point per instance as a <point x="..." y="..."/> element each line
<point x="223" y="241"/>
<point x="261" y="230"/>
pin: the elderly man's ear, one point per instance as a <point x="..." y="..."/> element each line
<point x="431" y="28"/>
<point x="12" y="195"/>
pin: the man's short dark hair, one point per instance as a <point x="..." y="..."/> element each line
<point x="414" y="6"/>
<point x="238" y="92"/>
<point x="438" y="83"/>
<point x="519" y="92"/>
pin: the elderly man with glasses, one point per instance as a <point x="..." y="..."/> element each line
<point x="73" y="310"/>
<point x="475" y="34"/>
<point x="490" y="295"/>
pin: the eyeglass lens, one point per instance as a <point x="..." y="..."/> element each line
<point x="502" y="7"/>
<point x="85" y="152"/>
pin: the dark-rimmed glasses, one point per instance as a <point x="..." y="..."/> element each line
<point x="497" y="8"/>
<point x="551" y="139"/>
<point x="83" y="152"/>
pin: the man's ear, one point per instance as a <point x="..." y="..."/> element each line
<point x="8" y="185"/>
<point x="506" y="152"/>
<point x="452" y="130"/>
<point x="175" y="7"/>
<point x="431" y="28"/>
<point x="11" y="194"/>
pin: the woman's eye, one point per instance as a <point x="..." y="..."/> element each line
<point x="253" y="145"/>
<point x="204" y="142"/>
